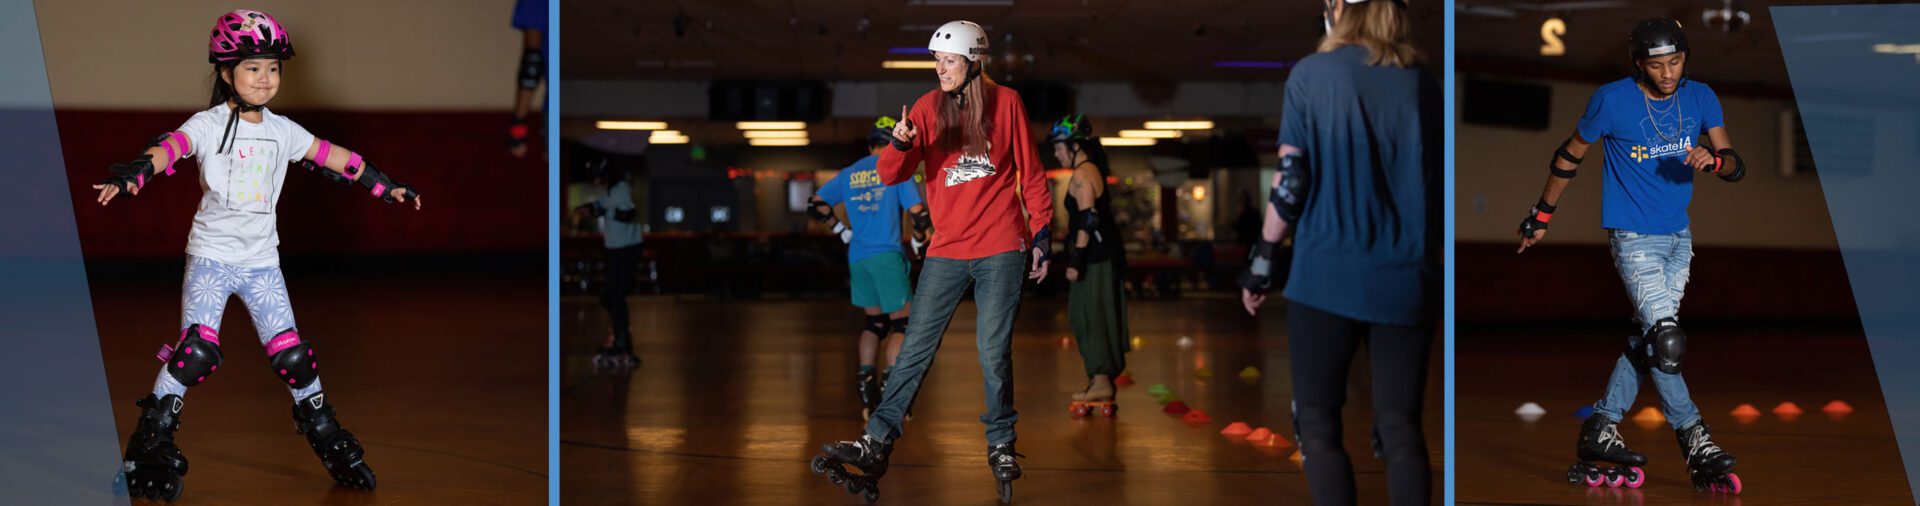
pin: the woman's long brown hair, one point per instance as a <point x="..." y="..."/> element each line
<point x="966" y="128"/>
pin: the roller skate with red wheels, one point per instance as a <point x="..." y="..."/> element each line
<point x="1097" y="398"/>
<point x="1710" y="468"/>
<point x="1600" y="443"/>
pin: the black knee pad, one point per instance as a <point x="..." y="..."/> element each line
<point x="877" y="324"/>
<point x="533" y="68"/>
<point x="899" y="325"/>
<point x="195" y="356"/>
<point x="1637" y="352"/>
<point x="1669" y="345"/>
<point x="292" y="359"/>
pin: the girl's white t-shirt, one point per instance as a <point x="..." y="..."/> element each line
<point x="241" y="185"/>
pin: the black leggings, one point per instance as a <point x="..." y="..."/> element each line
<point x="622" y="264"/>
<point x="1322" y="346"/>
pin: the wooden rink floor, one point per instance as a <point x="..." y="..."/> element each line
<point x="734" y="397"/>
<point x="1815" y="457"/>
<point x="442" y="379"/>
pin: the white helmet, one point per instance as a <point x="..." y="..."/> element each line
<point x="964" y="38"/>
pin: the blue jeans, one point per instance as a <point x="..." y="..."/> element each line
<point x="943" y="281"/>
<point x="1655" y="269"/>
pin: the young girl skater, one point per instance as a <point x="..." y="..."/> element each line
<point x="243" y="150"/>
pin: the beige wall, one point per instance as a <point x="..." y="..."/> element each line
<point x="1499" y="173"/>
<point x="151" y="55"/>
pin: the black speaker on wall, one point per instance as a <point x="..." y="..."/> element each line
<point x="1046" y="101"/>
<point x="1506" y="104"/>
<point x="767" y="101"/>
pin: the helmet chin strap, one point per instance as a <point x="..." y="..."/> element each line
<point x="959" y="92"/>
<point x="240" y="105"/>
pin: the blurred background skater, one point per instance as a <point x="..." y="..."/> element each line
<point x="879" y="267"/>
<point x="619" y="226"/>
<point x="1096" y="263"/>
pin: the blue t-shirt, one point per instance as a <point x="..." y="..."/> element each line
<point x="874" y="208"/>
<point x="1647" y="183"/>
<point x="1365" y="244"/>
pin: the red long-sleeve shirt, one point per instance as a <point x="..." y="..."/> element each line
<point x="976" y="201"/>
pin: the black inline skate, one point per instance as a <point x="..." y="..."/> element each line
<point x="866" y="454"/>
<point x="615" y="355"/>
<point x="868" y="384"/>
<point x="1710" y="467"/>
<point x="1600" y="443"/>
<point x="1000" y="458"/>
<point x="152" y="464"/>
<point x="338" y="450"/>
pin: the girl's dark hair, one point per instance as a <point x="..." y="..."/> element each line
<point x="1097" y="154"/>
<point x="222" y="90"/>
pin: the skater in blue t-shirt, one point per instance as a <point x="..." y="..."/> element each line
<point x="1658" y="129"/>
<point x="874" y="257"/>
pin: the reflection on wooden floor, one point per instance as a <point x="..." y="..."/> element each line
<point x="443" y="380"/>
<point x="1814" y="457"/>
<point x="734" y="397"/>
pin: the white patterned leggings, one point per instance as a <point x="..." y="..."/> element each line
<point x="204" y="300"/>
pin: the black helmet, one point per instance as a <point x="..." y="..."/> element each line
<point x="1655" y="37"/>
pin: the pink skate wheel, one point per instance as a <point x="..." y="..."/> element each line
<point x="1639" y="478"/>
<point x="1616" y="480"/>
<point x="1735" y="480"/>
<point x="1594" y="480"/>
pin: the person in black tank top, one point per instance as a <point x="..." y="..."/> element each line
<point x="1096" y="306"/>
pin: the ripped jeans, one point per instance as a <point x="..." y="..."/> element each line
<point x="1655" y="269"/>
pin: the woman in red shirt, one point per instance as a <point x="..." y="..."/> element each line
<point x="987" y="192"/>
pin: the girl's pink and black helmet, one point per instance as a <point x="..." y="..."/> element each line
<point x="246" y="34"/>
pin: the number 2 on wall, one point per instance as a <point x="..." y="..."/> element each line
<point x="1550" y="32"/>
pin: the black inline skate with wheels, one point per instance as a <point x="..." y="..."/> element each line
<point x="1600" y="443"/>
<point x="615" y="355"/>
<point x="153" y="465"/>
<point x="1000" y="458"/>
<point x="867" y="383"/>
<point x="338" y="450"/>
<point x="866" y="454"/>
<point x="1710" y="468"/>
